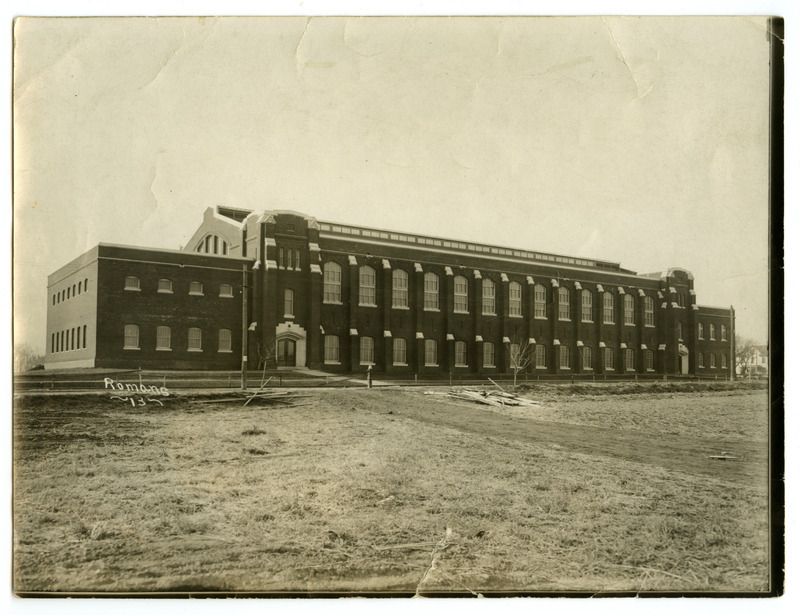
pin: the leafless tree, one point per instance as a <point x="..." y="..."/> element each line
<point x="745" y="354"/>
<point x="26" y="357"/>
<point x="521" y="352"/>
<point x="267" y="352"/>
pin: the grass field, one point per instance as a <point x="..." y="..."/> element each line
<point x="393" y="491"/>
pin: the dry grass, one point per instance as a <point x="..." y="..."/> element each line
<point x="353" y="492"/>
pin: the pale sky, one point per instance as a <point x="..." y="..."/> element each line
<point x="637" y="140"/>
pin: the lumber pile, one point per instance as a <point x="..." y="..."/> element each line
<point x="497" y="398"/>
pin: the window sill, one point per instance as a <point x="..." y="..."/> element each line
<point x="367" y="363"/>
<point x="488" y="314"/>
<point x="540" y="317"/>
<point x="650" y="326"/>
<point x="489" y="366"/>
<point x="460" y="311"/>
<point x="135" y="290"/>
<point x="331" y="363"/>
<point x="196" y="294"/>
<point x="630" y="324"/>
<point x="368" y="305"/>
<point x="430" y="309"/>
<point x="588" y="322"/>
<point x="431" y="365"/>
<point x="165" y="292"/>
<point x="564" y="319"/>
<point x="126" y="348"/>
<point x="461" y="365"/>
<point x="226" y="296"/>
<point x="399" y="364"/>
<point x="164" y="349"/>
<point x="225" y="351"/>
<point x="288" y="315"/>
<point x="605" y="322"/>
<point x="332" y="302"/>
<point x="400" y="307"/>
<point x="194" y="350"/>
<point x="515" y="315"/>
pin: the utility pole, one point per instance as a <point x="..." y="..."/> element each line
<point x="244" y="327"/>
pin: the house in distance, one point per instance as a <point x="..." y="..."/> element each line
<point x="302" y="293"/>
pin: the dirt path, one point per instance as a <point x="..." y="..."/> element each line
<point x="671" y="452"/>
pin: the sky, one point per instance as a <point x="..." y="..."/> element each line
<point x="639" y="140"/>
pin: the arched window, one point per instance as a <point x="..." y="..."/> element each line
<point x="332" y="283"/>
<point x="628" y="309"/>
<point x="649" y="314"/>
<point x="331" y="349"/>
<point x="563" y="304"/>
<point x="195" y="339"/>
<point x="163" y="338"/>
<point x="488" y="354"/>
<point x="431" y="353"/>
<point x="367" y="351"/>
<point x="225" y="340"/>
<point x="399" y="289"/>
<point x="461" y="354"/>
<point x="399" y="351"/>
<point x="515" y="299"/>
<point x="131" y="340"/>
<point x="288" y="303"/>
<point x="586" y="306"/>
<point x="460" y="295"/>
<point x="539" y="301"/>
<point x="132" y="283"/>
<point x="431" y="295"/>
<point x="488" y="298"/>
<point x="84" y="336"/>
<point x="608" y="308"/>
<point x="366" y="286"/>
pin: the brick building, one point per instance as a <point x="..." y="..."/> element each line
<point x="339" y="297"/>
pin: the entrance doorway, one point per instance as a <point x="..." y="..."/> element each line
<point x="287" y="349"/>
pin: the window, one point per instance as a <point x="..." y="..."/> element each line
<point x="723" y="333"/>
<point x="586" y="306"/>
<point x="86" y="285"/>
<point x="366" y="286"/>
<point x="331" y="349"/>
<point x="541" y="356"/>
<point x="488" y="354"/>
<point x="72" y="339"/>
<point x="539" y="301"/>
<point x="131" y="337"/>
<point x="398" y="351"/>
<point x="54" y="299"/>
<point x="461" y="354"/>
<point x="649" y="314"/>
<point x="132" y="283"/>
<point x="712" y="361"/>
<point x="627" y="307"/>
<point x="288" y="303"/>
<point x="608" y="308"/>
<point x="79" y="288"/>
<point x="700" y="331"/>
<point x="488" y="298"/>
<point x="195" y="288"/>
<point x="68" y="292"/>
<point x="225" y="340"/>
<point x="587" y="357"/>
<point x="289" y="260"/>
<point x="163" y="338"/>
<point x="701" y="362"/>
<point x="332" y="284"/>
<point x="367" y="354"/>
<point x="563" y="357"/>
<point x="723" y="361"/>
<point x="648" y="360"/>
<point x="226" y="290"/>
<point x="712" y="331"/>
<point x="563" y="304"/>
<point x="84" y="336"/>
<point x="195" y="339"/>
<point x="629" y="360"/>
<point x="297" y="260"/>
<point x="164" y="285"/>
<point x="399" y="289"/>
<point x="52" y="343"/>
<point x="431" y="353"/>
<point x="608" y="358"/>
<point x="431" y="295"/>
<point x="680" y="330"/>
<point x="281" y="258"/>
<point x="460" y="295"/>
<point x="515" y="299"/>
<point x="73" y="290"/>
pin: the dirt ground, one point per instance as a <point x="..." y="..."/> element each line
<point x="361" y="491"/>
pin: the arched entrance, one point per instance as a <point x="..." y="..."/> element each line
<point x="290" y="340"/>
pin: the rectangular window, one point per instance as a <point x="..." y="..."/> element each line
<point x="225" y="340"/>
<point x="648" y="360"/>
<point x="608" y="308"/>
<point x="289" y="259"/>
<point x="367" y="354"/>
<point x="366" y="286"/>
<point x="701" y="362"/>
<point x="723" y="361"/>
<point x="586" y="306"/>
<point x="195" y="288"/>
<point x="399" y="289"/>
<point x="398" y="351"/>
<point x="163" y="338"/>
<point x="649" y="316"/>
<point x="226" y="290"/>
<point x="488" y="298"/>
<point x="723" y="333"/>
<point x="288" y="303"/>
<point x="132" y="283"/>
<point x="515" y="299"/>
<point x="587" y="357"/>
<point x="431" y="353"/>
<point x="164" y="285"/>
<point x="540" y="301"/>
<point x="712" y="331"/>
<point x="628" y="309"/>
<point x="488" y="354"/>
<point x="712" y="361"/>
<point x="297" y="260"/>
<point x="609" y="358"/>
<point x="332" y="283"/>
<point x="460" y="295"/>
<point x="680" y="330"/>
<point x="431" y="294"/>
<point x="84" y="336"/>
<point x="281" y="258"/>
<point x="629" y="360"/>
<point x="195" y="339"/>
<point x="563" y="304"/>
<point x="541" y="356"/>
<point x="131" y="337"/>
<point x="700" y="331"/>
<point x="461" y="354"/>
<point x="563" y="354"/>
<point x="331" y="349"/>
